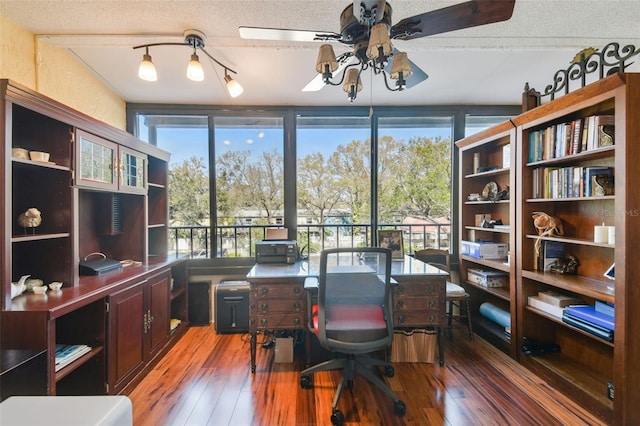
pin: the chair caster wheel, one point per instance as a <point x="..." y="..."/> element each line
<point x="337" y="418"/>
<point x="389" y="371"/>
<point x="305" y="382"/>
<point x="399" y="408"/>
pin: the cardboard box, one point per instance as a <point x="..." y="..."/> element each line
<point x="284" y="349"/>
<point x="487" y="278"/>
<point x="484" y="249"/>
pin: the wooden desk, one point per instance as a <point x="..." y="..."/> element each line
<point x="277" y="299"/>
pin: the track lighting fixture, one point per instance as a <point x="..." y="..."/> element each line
<point x="196" y="40"/>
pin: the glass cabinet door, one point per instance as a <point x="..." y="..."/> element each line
<point x="95" y="161"/>
<point x="133" y="170"/>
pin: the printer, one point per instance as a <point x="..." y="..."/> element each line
<point x="276" y="251"/>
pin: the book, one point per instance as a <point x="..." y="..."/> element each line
<point x="588" y="327"/>
<point x="605" y="308"/>
<point x="558" y="299"/>
<point x="554" y="310"/>
<point x="66" y="354"/>
<point x="588" y="313"/>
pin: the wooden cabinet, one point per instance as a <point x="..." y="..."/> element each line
<point x="138" y="328"/>
<point x="493" y="150"/>
<point x="601" y="375"/>
<point x="586" y="366"/>
<point x="419" y="303"/>
<point x="275" y="304"/>
<point x="93" y="197"/>
<point x="103" y="164"/>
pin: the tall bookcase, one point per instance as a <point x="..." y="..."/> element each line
<point x="494" y="149"/>
<point x="601" y="375"/>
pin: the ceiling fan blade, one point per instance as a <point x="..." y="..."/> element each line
<point x="258" y="33"/>
<point x="464" y="15"/>
<point x="317" y="83"/>
<point x="417" y="74"/>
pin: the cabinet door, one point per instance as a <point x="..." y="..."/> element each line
<point x="158" y="312"/>
<point x="132" y="170"/>
<point x="127" y="309"/>
<point x="95" y="162"/>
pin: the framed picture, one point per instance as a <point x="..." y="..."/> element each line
<point x="392" y="240"/>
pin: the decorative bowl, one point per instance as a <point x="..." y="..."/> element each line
<point x="30" y="283"/>
<point x="39" y="156"/>
<point x="56" y="285"/>
<point x="20" y="153"/>
<point x="39" y="289"/>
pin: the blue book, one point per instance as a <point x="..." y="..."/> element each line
<point x="589" y="314"/>
<point x="588" y="327"/>
<point x="605" y="308"/>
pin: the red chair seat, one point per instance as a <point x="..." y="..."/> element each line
<point x="353" y="323"/>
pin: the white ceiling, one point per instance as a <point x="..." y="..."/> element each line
<point x="481" y="65"/>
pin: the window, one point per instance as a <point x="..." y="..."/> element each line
<point x="414" y="179"/>
<point x="249" y="175"/>
<point x="333" y="181"/>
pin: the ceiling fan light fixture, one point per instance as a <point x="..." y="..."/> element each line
<point x="233" y="87"/>
<point x="194" y="69"/>
<point x="352" y="84"/>
<point x="146" y="70"/>
<point x="400" y="69"/>
<point x="326" y="63"/>
<point x="379" y="43"/>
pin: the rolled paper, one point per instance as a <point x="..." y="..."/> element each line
<point x="612" y="234"/>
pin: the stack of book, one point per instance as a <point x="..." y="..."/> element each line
<point x="552" y="303"/>
<point x="597" y="319"/>
<point x="66" y="354"/>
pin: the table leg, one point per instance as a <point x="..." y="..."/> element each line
<point x="253" y="340"/>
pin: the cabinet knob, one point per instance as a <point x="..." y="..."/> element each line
<point x="399" y="290"/>
<point x="296" y="321"/>
<point x="296" y="306"/>
<point x="264" y="307"/>
<point x="401" y="319"/>
<point x="264" y="322"/>
<point x="432" y="304"/>
<point x="400" y="304"/>
<point x="297" y="291"/>
<point x="264" y="291"/>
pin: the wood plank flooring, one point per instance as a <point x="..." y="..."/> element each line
<point x="206" y="380"/>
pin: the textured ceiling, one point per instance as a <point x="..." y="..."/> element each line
<point x="487" y="64"/>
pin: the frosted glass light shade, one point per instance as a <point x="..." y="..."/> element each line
<point x="233" y="87"/>
<point x="194" y="69"/>
<point x="146" y="70"/>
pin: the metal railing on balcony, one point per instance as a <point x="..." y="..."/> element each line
<point x="239" y="240"/>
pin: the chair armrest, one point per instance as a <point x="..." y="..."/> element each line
<point x="311" y="283"/>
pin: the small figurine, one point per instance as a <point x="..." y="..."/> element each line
<point x="31" y="218"/>
<point x="567" y="265"/>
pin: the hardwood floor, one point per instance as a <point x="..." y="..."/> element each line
<point x="206" y="380"/>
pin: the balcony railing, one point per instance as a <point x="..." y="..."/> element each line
<point x="239" y="240"/>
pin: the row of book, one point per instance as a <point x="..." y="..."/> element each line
<point x="573" y="181"/>
<point x="574" y="137"/>
<point x="596" y="319"/>
<point x="66" y="354"/>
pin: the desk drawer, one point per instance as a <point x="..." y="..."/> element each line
<point x="269" y="305"/>
<point x="275" y="321"/>
<point x="416" y="318"/>
<point x="418" y="289"/>
<point x="416" y="304"/>
<point x="279" y="291"/>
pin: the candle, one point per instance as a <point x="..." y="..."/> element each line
<point x="612" y="234"/>
<point x="600" y="234"/>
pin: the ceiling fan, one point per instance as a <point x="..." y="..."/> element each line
<point x="366" y="26"/>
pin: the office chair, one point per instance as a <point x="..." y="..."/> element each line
<point x="352" y="317"/>
<point x="456" y="295"/>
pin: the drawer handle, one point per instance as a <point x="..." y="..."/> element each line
<point x="432" y="304"/>
<point x="296" y="306"/>
<point x="264" y="291"/>
<point x="264" y="307"/>
<point x="296" y="321"/>
<point x="400" y="304"/>
<point x="297" y="291"/>
<point x="264" y="322"/>
<point x="401" y="319"/>
<point x="399" y="290"/>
